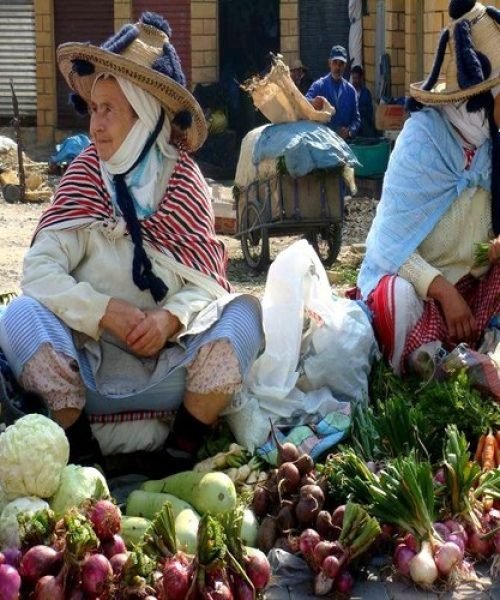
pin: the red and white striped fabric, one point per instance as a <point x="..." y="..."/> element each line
<point x="183" y="225"/>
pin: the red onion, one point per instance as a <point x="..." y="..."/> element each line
<point x="402" y="556"/>
<point x="176" y="581"/>
<point x="457" y="528"/>
<point x="440" y="477"/>
<point x="441" y="530"/>
<point x="307" y="542"/>
<point x="113" y="545"/>
<point x="258" y="569"/>
<point x="12" y="556"/>
<point x="10" y="582"/>
<point x="344" y="583"/>
<point x="105" y="518"/>
<point x="479" y="547"/>
<point x="496" y="543"/>
<point x="457" y="539"/>
<point x="50" y="587"/>
<point x="448" y="555"/>
<point x="39" y="561"/>
<point x="241" y="589"/>
<point x="117" y="561"/>
<point x="411" y="542"/>
<point x="220" y="591"/>
<point x="331" y="566"/>
<point x="97" y="575"/>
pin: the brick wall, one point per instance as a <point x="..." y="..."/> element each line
<point x="204" y="46"/>
<point x="123" y="13"/>
<point x="289" y="29"/>
<point x="45" y="70"/>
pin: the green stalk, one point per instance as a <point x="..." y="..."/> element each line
<point x="159" y="540"/>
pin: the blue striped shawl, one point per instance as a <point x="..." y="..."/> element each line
<point x="424" y="176"/>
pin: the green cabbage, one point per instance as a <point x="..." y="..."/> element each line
<point x="33" y="452"/>
<point x="78" y="484"/>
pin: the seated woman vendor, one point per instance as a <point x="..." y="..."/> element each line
<point x="126" y="311"/>
<point x="441" y="197"/>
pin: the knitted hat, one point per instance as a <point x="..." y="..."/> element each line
<point x="472" y="43"/>
<point x="143" y="54"/>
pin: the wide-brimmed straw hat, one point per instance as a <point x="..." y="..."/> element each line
<point x="143" y="54"/>
<point x="297" y="64"/>
<point x="471" y="42"/>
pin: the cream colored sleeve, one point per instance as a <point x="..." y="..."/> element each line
<point x="187" y="303"/>
<point x="419" y="273"/>
<point x="46" y="277"/>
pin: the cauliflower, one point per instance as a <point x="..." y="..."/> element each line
<point x="33" y="453"/>
<point x="77" y="485"/>
<point x="9" y="529"/>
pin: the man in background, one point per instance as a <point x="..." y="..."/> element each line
<point x="300" y="75"/>
<point x="346" y="121"/>
<point x="365" y="102"/>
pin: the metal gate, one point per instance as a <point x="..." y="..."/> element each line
<point x="88" y="21"/>
<point x="17" y="56"/>
<point x="323" y="23"/>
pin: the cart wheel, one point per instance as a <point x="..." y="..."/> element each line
<point x="254" y="244"/>
<point x="327" y="242"/>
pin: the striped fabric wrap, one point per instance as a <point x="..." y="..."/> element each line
<point x="127" y="417"/>
<point x="182" y="226"/>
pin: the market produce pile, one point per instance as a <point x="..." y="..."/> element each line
<point x="418" y="479"/>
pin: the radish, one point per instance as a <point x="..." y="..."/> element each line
<point x="97" y="575"/>
<point x="10" y="582"/>
<point x="12" y="556"/>
<point x="331" y="566"/>
<point x="308" y="540"/>
<point x="105" y="518"/>
<point x="423" y="569"/>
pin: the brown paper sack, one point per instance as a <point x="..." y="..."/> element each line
<point x="279" y="99"/>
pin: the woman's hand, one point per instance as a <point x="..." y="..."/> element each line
<point x="494" y="250"/>
<point x="151" y="334"/>
<point x="460" y="321"/>
<point x="318" y="102"/>
<point x="121" y="318"/>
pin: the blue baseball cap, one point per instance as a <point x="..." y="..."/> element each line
<point x="338" y="53"/>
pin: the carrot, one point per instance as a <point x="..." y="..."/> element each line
<point x="480" y="447"/>
<point x="489" y="450"/>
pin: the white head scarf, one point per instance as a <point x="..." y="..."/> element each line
<point x="473" y="127"/>
<point x="148" y="181"/>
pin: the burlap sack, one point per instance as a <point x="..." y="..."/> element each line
<point x="279" y="99"/>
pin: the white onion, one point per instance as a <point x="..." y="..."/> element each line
<point x="423" y="569"/>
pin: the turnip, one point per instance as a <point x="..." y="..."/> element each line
<point x="307" y="510"/>
<point x="305" y="464"/>
<point x="97" y="575"/>
<point x="423" y="569"/>
<point x="447" y="556"/>
<point x="286" y="452"/>
<point x="10" y="582"/>
<point x="288" y="478"/>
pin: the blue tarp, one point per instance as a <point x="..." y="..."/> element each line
<point x="305" y="146"/>
<point x="70" y="148"/>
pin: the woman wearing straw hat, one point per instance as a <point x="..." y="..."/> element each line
<point x="127" y="313"/>
<point x="441" y="197"/>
